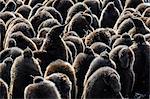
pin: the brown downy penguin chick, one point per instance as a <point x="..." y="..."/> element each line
<point x="49" y="23"/>
<point x="125" y="39"/>
<point x="24" y="10"/>
<point x="92" y="19"/>
<point x="12" y="52"/>
<point x="41" y="89"/>
<point x="23" y="67"/>
<point x="78" y="7"/>
<point x="13" y="21"/>
<point x="124" y="58"/>
<point x="81" y="65"/>
<point x="55" y="13"/>
<point x="3" y="90"/>
<point x="98" y="35"/>
<point x="99" y="47"/>
<point x="5" y="68"/>
<point x="100" y="61"/>
<point x="95" y="6"/>
<point x="139" y="27"/>
<point x="81" y="24"/>
<point x="125" y="15"/>
<point x="63" y="6"/>
<point x="54" y="46"/>
<point x="60" y="66"/>
<point x="103" y="83"/>
<point x="141" y="67"/>
<point x="22" y="41"/>
<point x="23" y="27"/>
<point x="109" y="16"/>
<point x="125" y="26"/>
<point x="5" y="16"/>
<point x="62" y="83"/>
<point x="117" y="4"/>
<point x="38" y="18"/>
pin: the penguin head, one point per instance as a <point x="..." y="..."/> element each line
<point x="139" y="38"/>
<point x="8" y="60"/>
<point x="27" y="53"/>
<point x="56" y="31"/>
<point x="110" y="6"/>
<point x="88" y="50"/>
<point x="12" y="42"/>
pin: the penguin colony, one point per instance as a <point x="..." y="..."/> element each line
<point x="74" y="49"/>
